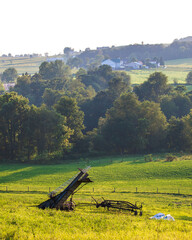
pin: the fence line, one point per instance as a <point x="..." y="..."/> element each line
<point x="93" y="190"/>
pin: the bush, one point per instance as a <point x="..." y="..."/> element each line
<point x="49" y="158"/>
<point x="148" y="158"/>
<point x="170" y="158"/>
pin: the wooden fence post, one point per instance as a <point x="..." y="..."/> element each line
<point x="157" y="190"/>
<point x="28" y="189"/>
<point x="49" y="189"/>
<point x="6" y="188"/>
<point x="136" y="189"/>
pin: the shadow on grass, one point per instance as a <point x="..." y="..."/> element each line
<point x="20" y="173"/>
<point x="186" y="218"/>
<point x="159" y="193"/>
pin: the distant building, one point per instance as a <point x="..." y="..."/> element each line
<point x="134" y="65"/>
<point x="102" y="48"/>
<point x="7" y="86"/>
<point x="54" y="59"/>
<point x="114" y="63"/>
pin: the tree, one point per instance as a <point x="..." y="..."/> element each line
<point x="177" y="105"/>
<point x="67" y="50"/>
<point x="26" y="131"/>
<point x="47" y="129"/>
<point x="67" y="107"/>
<point x="97" y="107"/>
<point x="132" y="126"/>
<point x="9" y="75"/>
<point x="117" y="86"/>
<point x="189" y="78"/>
<point x="54" y="70"/>
<point x="13" y="114"/>
<point x="74" y="62"/>
<point x="153" y="88"/>
<point x="175" y="137"/>
<point x="51" y="97"/>
<point x="76" y="89"/>
<point x="80" y="72"/>
<point x="31" y="87"/>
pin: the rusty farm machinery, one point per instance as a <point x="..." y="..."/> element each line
<point x="121" y="205"/>
<point x="59" y="197"/>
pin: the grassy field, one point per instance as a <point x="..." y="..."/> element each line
<point x="20" y="219"/>
<point x="21" y="64"/>
<point x="176" y="70"/>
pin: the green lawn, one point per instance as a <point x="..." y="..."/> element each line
<point x="20" y="219"/>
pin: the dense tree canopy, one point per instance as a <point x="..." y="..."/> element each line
<point x="153" y="88"/>
<point x="13" y="114"/>
<point x="9" y="75"/>
<point x="177" y="105"/>
<point x="132" y="126"/>
<point x="92" y="110"/>
<point x="189" y="78"/>
<point x="54" y="70"/>
<point x="25" y="130"/>
<point x="68" y="108"/>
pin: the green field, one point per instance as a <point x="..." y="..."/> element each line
<point x="162" y="186"/>
<point x="21" y="64"/>
<point x="176" y="70"/>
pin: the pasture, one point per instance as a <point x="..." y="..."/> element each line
<point x="176" y="71"/>
<point x="162" y="186"/>
<point x="21" y="64"/>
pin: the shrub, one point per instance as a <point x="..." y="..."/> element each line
<point x="148" y="158"/>
<point x="170" y="158"/>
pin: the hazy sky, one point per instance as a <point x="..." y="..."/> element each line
<point x="39" y="26"/>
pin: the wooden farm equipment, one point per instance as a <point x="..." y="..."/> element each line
<point x="58" y="197"/>
<point x="121" y="205"/>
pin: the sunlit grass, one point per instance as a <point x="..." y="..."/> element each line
<point x="155" y="184"/>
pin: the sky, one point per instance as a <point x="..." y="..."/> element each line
<point x="39" y="26"/>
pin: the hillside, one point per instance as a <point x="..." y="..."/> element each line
<point x="175" y="50"/>
<point x="185" y="39"/>
<point x="161" y="186"/>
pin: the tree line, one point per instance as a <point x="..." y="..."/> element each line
<point x="140" y="52"/>
<point x="54" y="114"/>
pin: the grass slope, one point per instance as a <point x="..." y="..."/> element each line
<point x="20" y="219"/>
<point x="21" y="64"/>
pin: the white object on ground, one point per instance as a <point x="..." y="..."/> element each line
<point x="163" y="216"/>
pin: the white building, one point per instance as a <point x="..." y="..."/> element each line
<point x="134" y="65"/>
<point x="114" y="63"/>
<point x="7" y="86"/>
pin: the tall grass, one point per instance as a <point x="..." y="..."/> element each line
<point x="21" y="219"/>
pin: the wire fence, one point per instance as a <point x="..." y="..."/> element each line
<point x="46" y="190"/>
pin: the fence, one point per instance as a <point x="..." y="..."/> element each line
<point x="45" y="190"/>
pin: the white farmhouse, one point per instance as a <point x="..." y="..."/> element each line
<point x="7" y="86"/>
<point x="134" y="65"/>
<point x="114" y="63"/>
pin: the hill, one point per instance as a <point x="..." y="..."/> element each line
<point x="175" y="50"/>
<point x="186" y="39"/>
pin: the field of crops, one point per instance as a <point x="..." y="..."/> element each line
<point x="21" y="64"/>
<point x="162" y="186"/>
